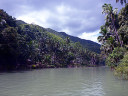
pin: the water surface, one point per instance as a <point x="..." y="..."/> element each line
<point x="98" y="81"/>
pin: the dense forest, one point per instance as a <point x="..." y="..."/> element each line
<point x="27" y="46"/>
<point x="90" y="45"/>
<point x="114" y="38"/>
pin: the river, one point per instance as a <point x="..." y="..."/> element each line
<point x="96" y="81"/>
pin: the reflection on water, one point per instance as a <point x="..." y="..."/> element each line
<point x="95" y="89"/>
<point x="63" y="82"/>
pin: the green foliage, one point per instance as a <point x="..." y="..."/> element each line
<point x="114" y="34"/>
<point x="122" y="69"/>
<point x="87" y="44"/>
<point x="6" y="19"/>
<point x="114" y="39"/>
<point x="115" y="56"/>
<point x="111" y="25"/>
<point x="123" y="22"/>
<point x="47" y="58"/>
<point x="24" y="46"/>
<point x="121" y="1"/>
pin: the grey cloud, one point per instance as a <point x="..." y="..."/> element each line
<point x="86" y="15"/>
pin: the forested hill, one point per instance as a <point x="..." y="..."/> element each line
<point x="26" y="46"/>
<point x="90" y="45"/>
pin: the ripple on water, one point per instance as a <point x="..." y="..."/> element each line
<point x="94" y="89"/>
<point x="63" y="82"/>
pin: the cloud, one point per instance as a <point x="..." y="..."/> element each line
<point x="90" y="36"/>
<point x="75" y="17"/>
<point x="36" y="17"/>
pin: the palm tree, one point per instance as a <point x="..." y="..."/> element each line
<point x="111" y="21"/>
<point x="103" y="33"/>
<point x="121" y="1"/>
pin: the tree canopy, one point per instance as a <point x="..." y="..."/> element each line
<point x="27" y="46"/>
<point x="114" y="36"/>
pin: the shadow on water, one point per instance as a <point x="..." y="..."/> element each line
<point x="14" y="71"/>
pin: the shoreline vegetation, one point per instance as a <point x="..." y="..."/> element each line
<point x="114" y="39"/>
<point x="30" y="46"/>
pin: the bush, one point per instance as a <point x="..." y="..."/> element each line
<point x="114" y="58"/>
<point x="122" y="69"/>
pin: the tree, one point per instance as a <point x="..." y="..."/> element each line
<point x="116" y="55"/>
<point x="121" y="1"/>
<point x="114" y="34"/>
<point x="112" y="22"/>
<point x="123" y="23"/>
<point x="122" y="69"/>
<point x="9" y="48"/>
<point x="25" y="46"/>
<point x="104" y="39"/>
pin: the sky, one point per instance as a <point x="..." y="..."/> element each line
<point x="80" y="18"/>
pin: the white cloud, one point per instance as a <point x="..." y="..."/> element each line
<point x="55" y="18"/>
<point x="66" y="30"/>
<point x="37" y="17"/>
<point x="90" y="36"/>
<point x="62" y="9"/>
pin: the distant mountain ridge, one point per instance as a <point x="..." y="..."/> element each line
<point x="88" y="44"/>
<point x="20" y="22"/>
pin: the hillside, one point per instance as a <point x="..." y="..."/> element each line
<point x="90" y="45"/>
<point x="26" y="46"/>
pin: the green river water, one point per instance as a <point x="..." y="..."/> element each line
<point x="97" y="81"/>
